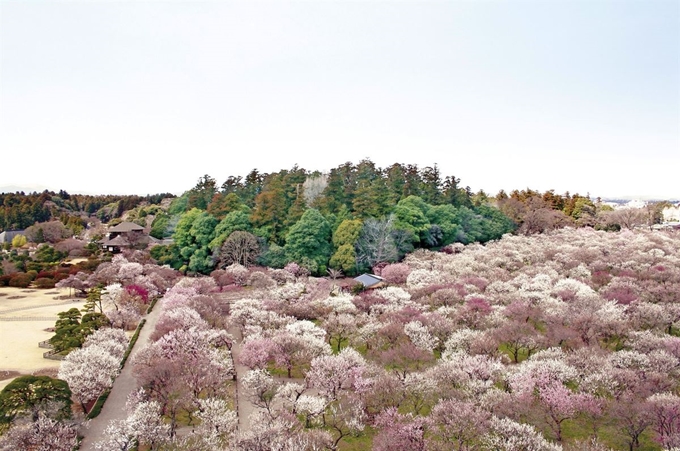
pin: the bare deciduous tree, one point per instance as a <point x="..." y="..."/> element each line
<point x="628" y="218"/>
<point x="378" y="242"/>
<point x="314" y="186"/>
<point x="240" y="247"/>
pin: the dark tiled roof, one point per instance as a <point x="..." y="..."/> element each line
<point x="117" y="241"/>
<point x="369" y="280"/>
<point x="126" y="227"/>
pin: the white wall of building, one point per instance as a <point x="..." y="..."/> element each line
<point x="671" y="214"/>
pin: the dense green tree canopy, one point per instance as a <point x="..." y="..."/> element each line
<point x="193" y="235"/>
<point x="309" y="241"/>
<point x="235" y="220"/>
<point x="222" y="204"/>
<point x="20" y="210"/>
<point x="345" y="259"/>
<point x="70" y="330"/>
<point x="410" y="215"/>
<point x="25" y="394"/>
<point x="345" y="238"/>
<point x="347" y="232"/>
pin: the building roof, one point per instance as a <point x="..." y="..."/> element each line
<point x="7" y="235"/>
<point x="122" y="240"/>
<point x="117" y="241"/>
<point x="369" y="280"/>
<point x="126" y="227"/>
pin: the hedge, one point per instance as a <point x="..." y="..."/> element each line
<point x="131" y="345"/>
<point x="97" y="408"/>
<point x="151" y="306"/>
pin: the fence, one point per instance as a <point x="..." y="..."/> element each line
<point x="53" y="355"/>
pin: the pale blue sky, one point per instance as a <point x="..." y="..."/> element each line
<point x="144" y="97"/>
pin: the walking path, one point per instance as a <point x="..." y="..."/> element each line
<point x="244" y="408"/>
<point x="114" y="408"/>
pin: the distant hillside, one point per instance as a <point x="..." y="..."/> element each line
<point x="19" y="210"/>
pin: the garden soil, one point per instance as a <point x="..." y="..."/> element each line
<point x="25" y="313"/>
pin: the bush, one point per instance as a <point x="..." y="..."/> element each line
<point x="97" y="408"/>
<point x="44" y="282"/>
<point x="357" y="288"/>
<point x="151" y="306"/>
<point x="45" y="274"/>
<point x="20" y="280"/>
<point x="377" y="269"/>
<point x="60" y="276"/>
<point x="88" y="265"/>
<point x="131" y="345"/>
<point x="4" y="280"/>
<point x="32" y="274"/>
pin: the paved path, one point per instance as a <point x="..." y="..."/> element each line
<point x="244" y="407"/>
<point x="114" y="408"/>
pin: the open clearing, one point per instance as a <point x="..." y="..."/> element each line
<point x="25" y="313"/>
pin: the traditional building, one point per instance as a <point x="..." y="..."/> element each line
<point x="126" y="235"/>
<point x="8" y="235"/>
<point x="671" y="214"/>
<point x="370" y="281"/>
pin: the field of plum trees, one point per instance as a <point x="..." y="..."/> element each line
<point x="564" y="340"/>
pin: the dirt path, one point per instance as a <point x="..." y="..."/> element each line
<point x="25" y="317"/>
<point x="114" y="408"/>
<point x="20" y="309"/>
<point x="29" y="318"/>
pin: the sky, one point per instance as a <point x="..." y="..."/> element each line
<point x="142" y="97"/>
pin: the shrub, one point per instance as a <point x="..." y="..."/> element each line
<point x="88" y="265"/>
<point x="60" y="276"/>
<point x="4" y="280"/>
<point x="20" y="280"/>
<point x="44" y="282"/>
<point x="97" y="408"/>
<point x="132" y="342"/>
<point x="32" y="274"/>
<point x="357" y="288"/>
<point x="45" y="274"/>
